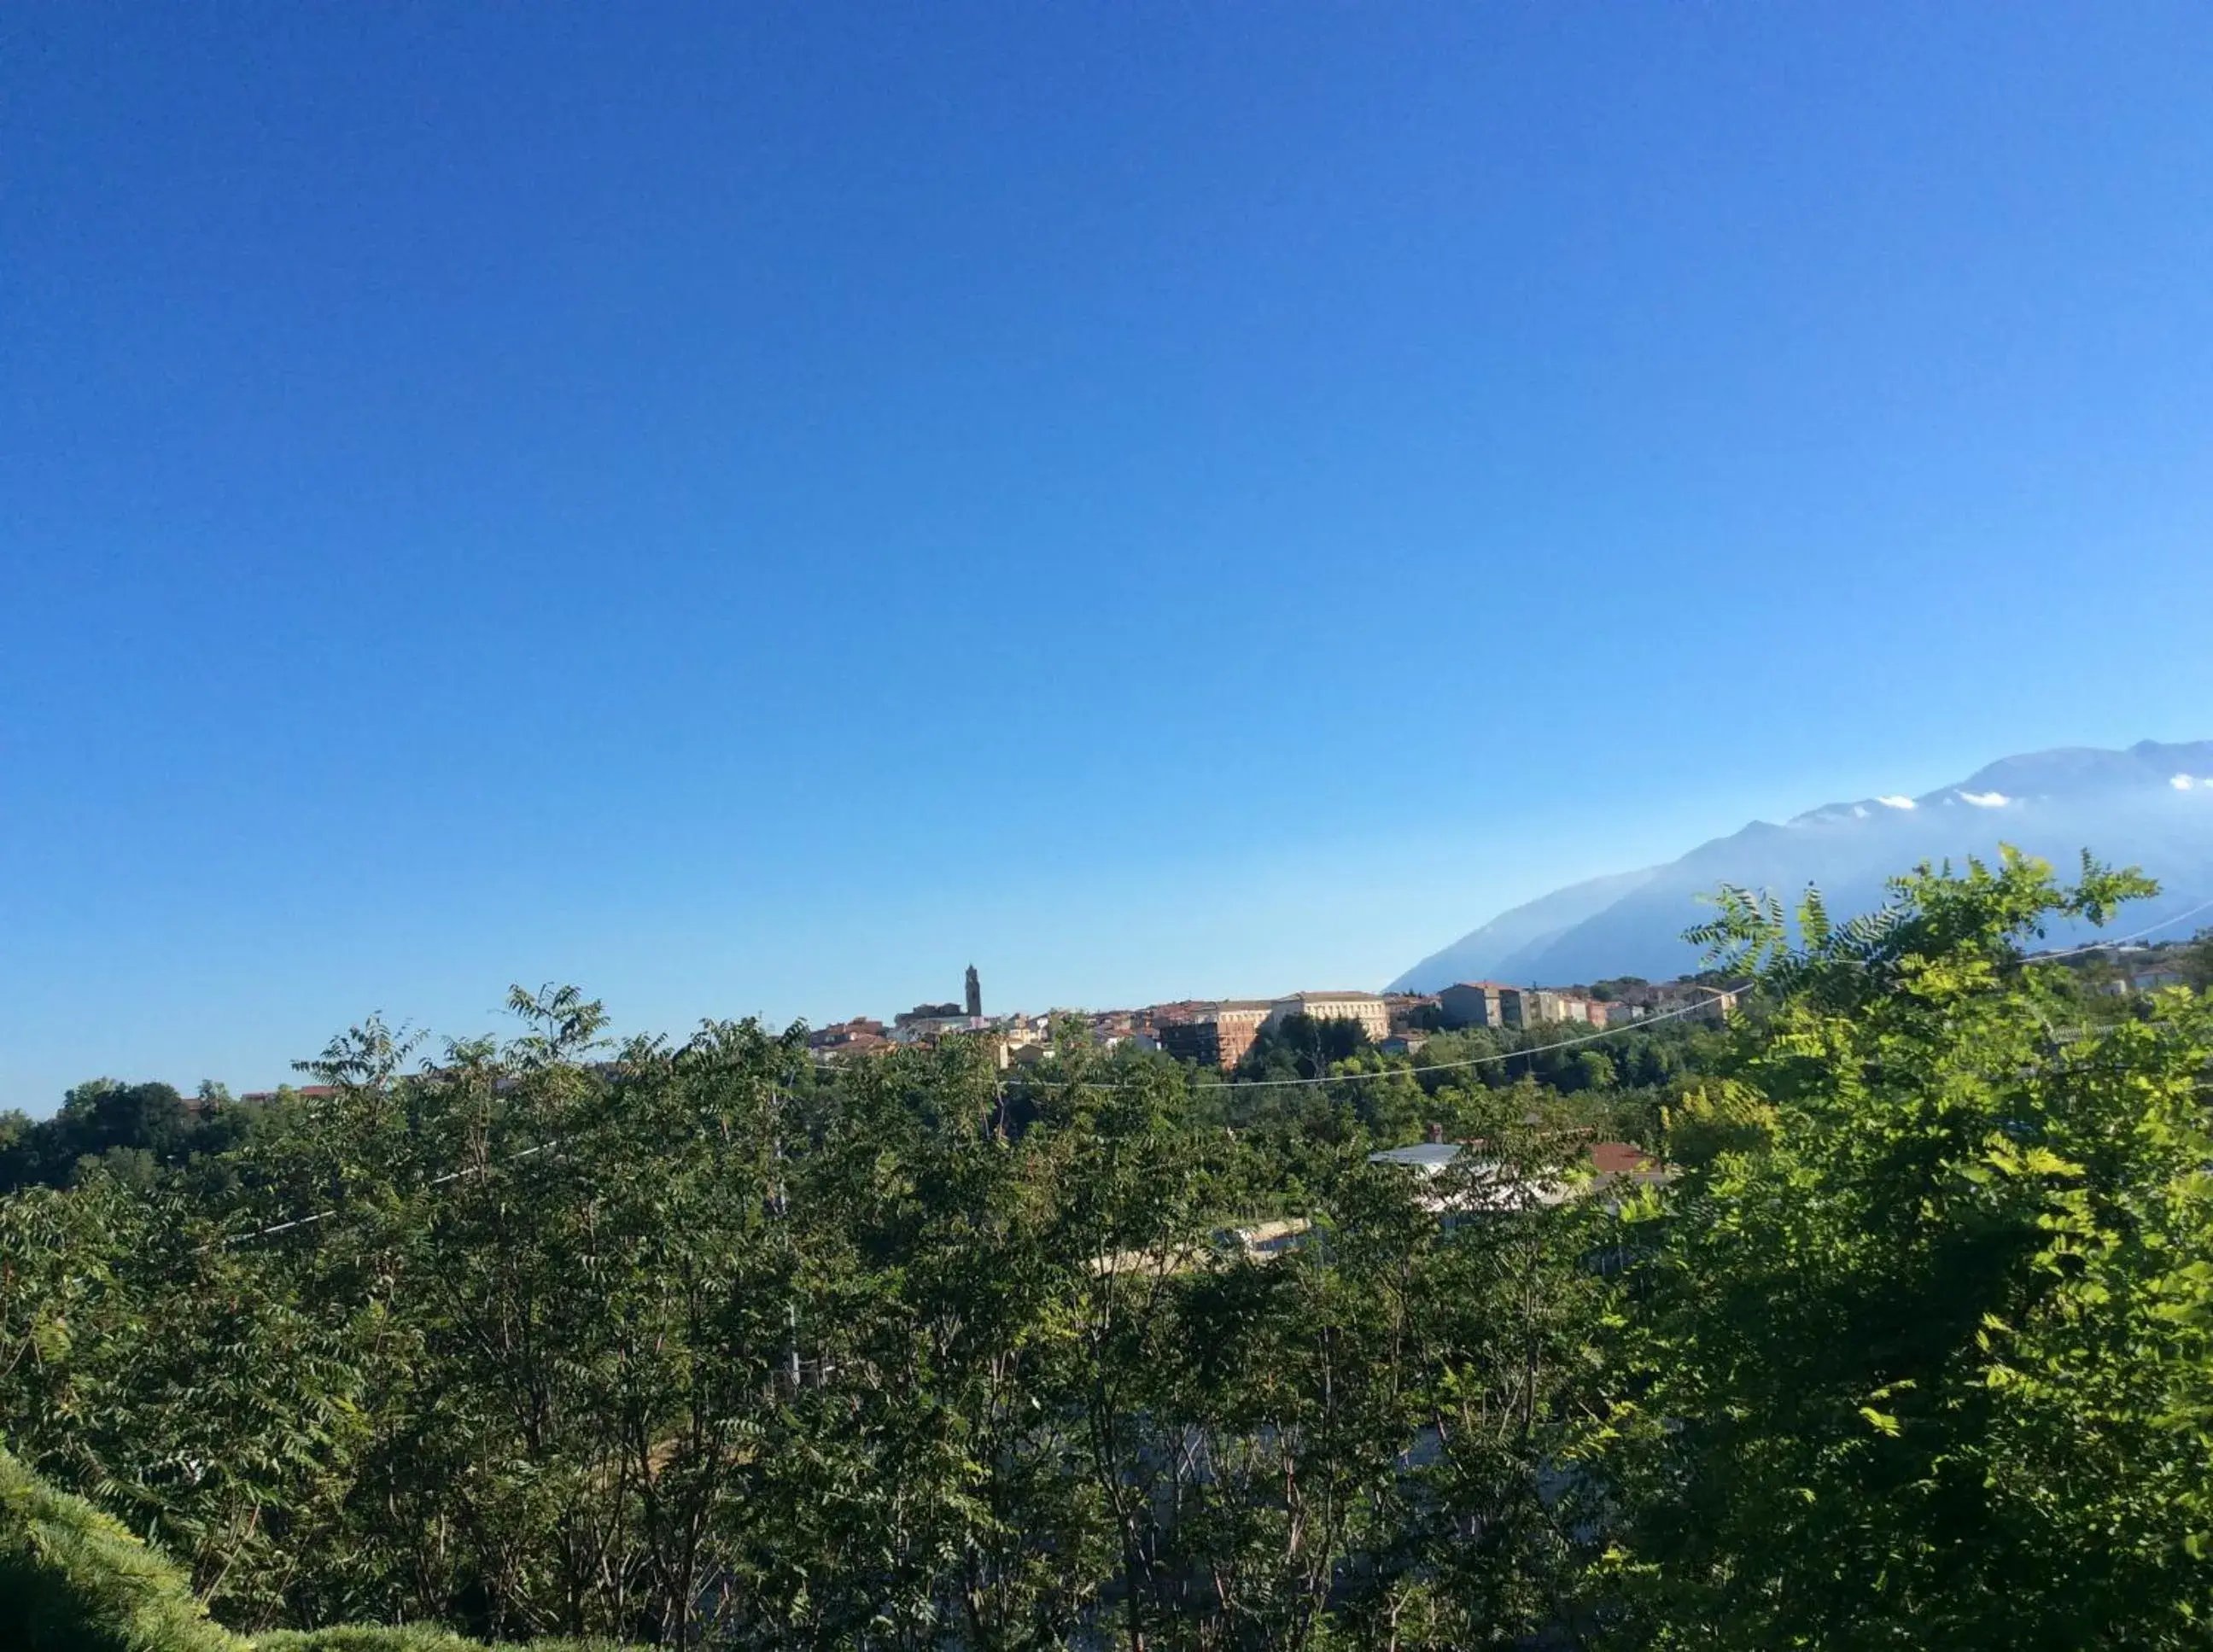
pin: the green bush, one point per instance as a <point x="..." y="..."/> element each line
<point x="355" y="1638"/>
<point x="409" y="1638"/>
<point x="72" y="1580"/>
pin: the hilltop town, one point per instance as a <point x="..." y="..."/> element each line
<point x="1219" y="1032"/>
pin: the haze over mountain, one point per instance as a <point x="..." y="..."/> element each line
<point x="2151" y="806"/>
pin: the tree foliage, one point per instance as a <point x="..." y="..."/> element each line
<point x="675" y="1342"/>
<point x="704" y="1343"/>
<point x="1922" y="1358"/>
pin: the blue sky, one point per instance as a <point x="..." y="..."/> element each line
<point x="751" y="508"/>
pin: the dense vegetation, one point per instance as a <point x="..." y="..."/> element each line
<point x="132" y="1132"/>
<point x="705" y="1342"/>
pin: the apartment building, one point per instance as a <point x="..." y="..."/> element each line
<point x="1481" y="1003"/>
<point x="1369" y="1009"/>
<point x="1493" y="1003"/>
<point x="1213" y="1034"/>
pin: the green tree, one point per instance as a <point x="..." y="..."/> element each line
<point x="704" y="1343"/>
<point x="150" y="1365"/>
<point x="1921" y="1357"/>
<point x="134" y="1131"/>
<point x="1301" y="1047"/>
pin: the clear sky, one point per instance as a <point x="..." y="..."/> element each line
<point x="750" y="508"/>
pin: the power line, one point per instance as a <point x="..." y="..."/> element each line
<point x="2144" y="934"/>
<point x="2107" y="945"/>
<point x="435" y="1181"/>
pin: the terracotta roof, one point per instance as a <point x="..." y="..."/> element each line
<point x="1623" y="1158"/>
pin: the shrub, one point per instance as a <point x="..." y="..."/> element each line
<point x="73" y="1580"/>
<point x="407" y="1638"/>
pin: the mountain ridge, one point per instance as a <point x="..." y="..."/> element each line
<point x="2150" y="804"/>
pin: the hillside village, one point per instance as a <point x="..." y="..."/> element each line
<point x="1219" y="1032"/>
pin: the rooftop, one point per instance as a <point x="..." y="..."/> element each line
<point x="1610" y="1162"/>
<point x="1422" y="1155"/>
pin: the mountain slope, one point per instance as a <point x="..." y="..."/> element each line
<point x="2151" y="805"/>
<point x="1521" y="929"/>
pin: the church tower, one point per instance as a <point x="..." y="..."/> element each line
<point x="975" y="993"/>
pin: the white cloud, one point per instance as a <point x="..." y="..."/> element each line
<point x="1859" y="811"/>
<point x="2182" y="783"/>
<point x="1985" y="799"/>
<point x="1895" y="802"/>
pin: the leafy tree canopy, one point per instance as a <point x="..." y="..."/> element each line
<point x="1923" y="1355"/>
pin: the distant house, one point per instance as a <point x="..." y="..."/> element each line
<point x="1493" y="1003"/>
<point x="2153" y="980"/>
<point x="298" y="1093"/>
<point x="1412" y="1012"/>
<point x="1544" y="1006"/>
<point x="930" y="1012"/>
<point x="1697" y="1001"/>
<point x="1480" y="1004"/>
<point x="850" y="1037"/>
<point x="913" y="1027"/>
<point x="1614" y="1162"/>
<point x="1368" y="1009"/>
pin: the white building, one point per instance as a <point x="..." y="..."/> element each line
<point x="1368" y="1009"/>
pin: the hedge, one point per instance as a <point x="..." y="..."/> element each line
<point x="363" y="1639"/>
<point x="74" y="1579"/>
